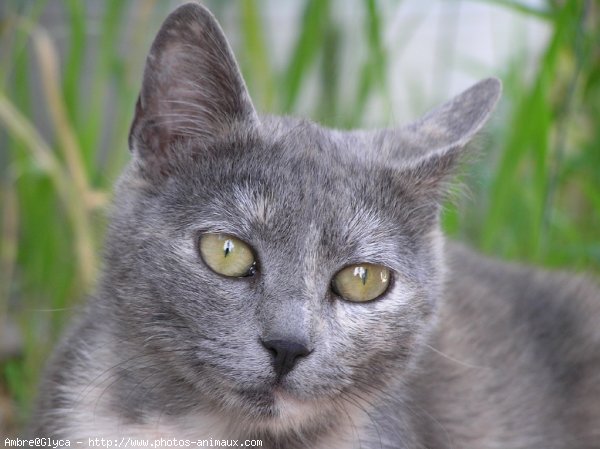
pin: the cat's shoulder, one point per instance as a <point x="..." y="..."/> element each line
<point x="508" y="337"/>
<point x="551" y="311"/>
<point x="567" y="303"/>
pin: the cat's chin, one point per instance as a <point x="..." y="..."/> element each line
<point x="279" y="409"/>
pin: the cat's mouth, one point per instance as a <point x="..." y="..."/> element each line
<point x="277" y="405"/>
<point x="272" y="395"/>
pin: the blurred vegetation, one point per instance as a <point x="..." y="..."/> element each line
<point x="533" y="196"/>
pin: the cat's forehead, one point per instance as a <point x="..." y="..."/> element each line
<point x="300" y="139"/>
<point x="310" y="165"/>
<point x="303" y="212"/>
<point x="294" y="168"/>
<point x="294" y="181"/>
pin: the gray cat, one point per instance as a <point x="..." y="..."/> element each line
<point x="269" y="279"/>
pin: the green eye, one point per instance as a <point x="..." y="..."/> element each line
<point x="362" y="282"/>
<point x="227" y="255"/>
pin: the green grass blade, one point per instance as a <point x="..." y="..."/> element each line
<point x="258" y="69"/>
<point x="308" y="45"/>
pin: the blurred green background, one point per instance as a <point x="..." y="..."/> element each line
<point x="70" y="73"/>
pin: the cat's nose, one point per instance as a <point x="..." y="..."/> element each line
<point x="285" y="354"/>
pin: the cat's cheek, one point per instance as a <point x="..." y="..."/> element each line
<point x="369" y="327"/>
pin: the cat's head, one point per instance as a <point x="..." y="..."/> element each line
<point x="278" y="267"/>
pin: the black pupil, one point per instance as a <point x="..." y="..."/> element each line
<point x="363" y="276"/>
<point x="228" y="247"/>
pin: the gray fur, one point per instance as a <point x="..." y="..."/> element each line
<point x="461" y="352"/>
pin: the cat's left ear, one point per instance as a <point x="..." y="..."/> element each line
<point x="192" y="87"/>
<point x="434" y="144"/>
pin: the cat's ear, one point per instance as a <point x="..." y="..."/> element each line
<point x="192" y="86"/>
<point x="434" y="143"/>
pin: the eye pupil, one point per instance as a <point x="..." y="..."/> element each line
<point x="228" y="247"/>
<point x="361" y="272"/>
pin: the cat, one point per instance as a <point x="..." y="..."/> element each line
<point x="269" y="279"/>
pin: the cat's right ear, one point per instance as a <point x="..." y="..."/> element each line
<point x="437" y="141"/>
<point x="192" y="87"/>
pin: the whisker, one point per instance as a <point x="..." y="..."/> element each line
<point x="452" y="359"/>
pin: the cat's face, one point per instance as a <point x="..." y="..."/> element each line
<point x="307" y="201"/>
